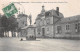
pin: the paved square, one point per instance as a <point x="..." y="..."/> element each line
<point x="14" y="44"/>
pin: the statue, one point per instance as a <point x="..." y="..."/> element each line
<point x="30" y="19"/>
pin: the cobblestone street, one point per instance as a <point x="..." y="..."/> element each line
<point x="14" y="44"/>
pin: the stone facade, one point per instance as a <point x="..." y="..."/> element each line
<point x="22" y="22"/>
<point x="29" y="31"/>
<point x="53" y="24"/>
<point x="45" y="22"/>
<point x="70" y="27"/>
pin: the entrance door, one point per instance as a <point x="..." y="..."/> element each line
<point x="43" y="31"/>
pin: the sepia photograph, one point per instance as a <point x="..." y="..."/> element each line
<point x="39" y="25"/>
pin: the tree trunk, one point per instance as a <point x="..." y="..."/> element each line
<point x="12" y="33"/>
<point x="8" y="33"/>
<point x="5" y="33"/>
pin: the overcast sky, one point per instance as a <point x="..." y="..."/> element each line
<point x="68" y="7"/>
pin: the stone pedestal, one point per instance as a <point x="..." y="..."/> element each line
<point x="31" y="33"/>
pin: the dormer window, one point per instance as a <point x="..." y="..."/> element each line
<point x="47" y="13"/>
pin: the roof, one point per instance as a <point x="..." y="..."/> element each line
<point x="70" y="19"/>
<point x="21" y="15"/>
<point x="52" y="13"/>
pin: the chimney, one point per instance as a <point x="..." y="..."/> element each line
<point x="43" y="10"/>
<point x="57" y="10"/>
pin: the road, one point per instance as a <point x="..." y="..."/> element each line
<point x="14" y="44"/>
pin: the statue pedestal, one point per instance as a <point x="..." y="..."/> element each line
<point x="31" y="34"/>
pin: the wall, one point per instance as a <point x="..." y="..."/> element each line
<point x="72" y="32"/>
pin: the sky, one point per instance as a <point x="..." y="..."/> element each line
<point x="33" y="7"/>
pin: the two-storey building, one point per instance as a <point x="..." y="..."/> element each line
<point x="45" y="22"/>
<point x="53" y="24"/>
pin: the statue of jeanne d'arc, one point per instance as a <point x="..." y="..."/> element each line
<point x="30" y="19"/>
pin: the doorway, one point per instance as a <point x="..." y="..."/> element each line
<point x="43" y="31"/>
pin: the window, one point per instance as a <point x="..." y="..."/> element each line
<point x="38" y="23"/>
<point x="47" y="13"/>
<point x="77" y="27"/>
<point x="23" y="22"/>
<point x="43" y="22"/>
<point x="67" y="27"/>
<point x="68" y="31"/>
<point x="48" y="21"/>
<point x="58" y="29"/>
<point x="38" y="30"/>
<point x="47" y="28"/>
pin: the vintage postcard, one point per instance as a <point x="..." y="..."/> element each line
<point x="39" y="25"/>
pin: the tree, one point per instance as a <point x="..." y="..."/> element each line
<point x="12" y="23"/>
<point x="9" y="24"/>
<point x="4" y="22"/>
